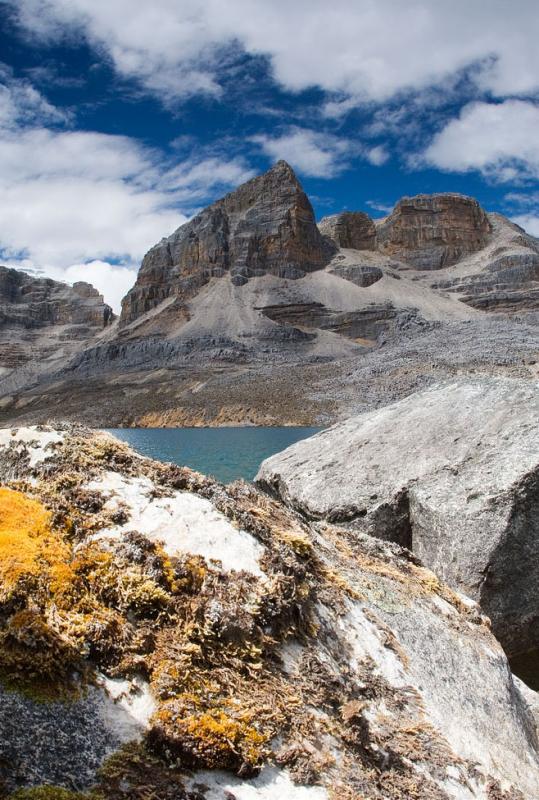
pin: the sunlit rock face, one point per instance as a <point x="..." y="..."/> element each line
<point x="452" y="473"/>
<point x="210" y="643"/>
<point x="267" y="225"/>
<point x="434" y="231"/>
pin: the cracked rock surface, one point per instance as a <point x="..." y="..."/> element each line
<point x="318" y="663"/>
<point x="452" y="473"/>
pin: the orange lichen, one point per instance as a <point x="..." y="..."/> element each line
<point x="215" y="738"/>
<point x="25" y="536"/>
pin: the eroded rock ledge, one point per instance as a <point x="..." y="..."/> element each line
<point x="210" y="643"/>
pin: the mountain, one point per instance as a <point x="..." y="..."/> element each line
<point x="253" y="313"/>
<point x="43" y="321"/>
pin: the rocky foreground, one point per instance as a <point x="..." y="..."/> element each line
<point x="165" y="637"/>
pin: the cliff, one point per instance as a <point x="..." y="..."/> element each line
<point x="41" y="318"/>
<point x="251" y="311"/>
<point x="267" y="226"/>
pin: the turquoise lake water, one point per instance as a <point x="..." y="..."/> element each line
<point x="225" y="453"/>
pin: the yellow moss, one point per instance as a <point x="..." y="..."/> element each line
<point x="25" y="538"/>
<point x="298" y="541"/>
<point x="49" y="793"/>
<point x="213" y="738"/>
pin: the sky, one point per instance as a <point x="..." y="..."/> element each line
<point x="120" y="119"/>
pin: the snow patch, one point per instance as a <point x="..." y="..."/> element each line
<point x="271" y="784"/>
<point x="184" y="523"/>
<point x="38" y="443"/>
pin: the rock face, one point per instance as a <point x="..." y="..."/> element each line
<point x="267" y="226"/>
<point x="251" y="312"/>
<point x="232" y="649"/>
<point x="39" y="316"/>
<point x="434" y="231"/>
<point x="351" y="229"/>
<point x="451" y="473"/>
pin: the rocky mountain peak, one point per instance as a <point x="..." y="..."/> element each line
<point x="267" y="225"/>
<point x="434" y="231"/>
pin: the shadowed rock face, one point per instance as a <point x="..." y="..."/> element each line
<point x="353" y="229"/>
<point x="265" y="226"/>
<point x="434" y="231"/>
<point x="37" y="314"/>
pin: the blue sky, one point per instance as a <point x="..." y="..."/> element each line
<point x="119" y="119"/>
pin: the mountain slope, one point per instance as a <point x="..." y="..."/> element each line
<point x="251" y="312"/>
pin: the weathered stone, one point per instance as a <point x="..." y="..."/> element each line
<point x="451" y="473"/>
<point x="40" y="316"/>
<point x="265" y="226"/>
<point x="360" y="672"/>
<point x="353" y="229"/>
<point x="363" y="275"/>
<point x="434" y="231"/>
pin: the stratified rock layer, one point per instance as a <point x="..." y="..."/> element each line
<point x="351" y="229"/>
<point x="39" y="316"/>
<point x="451" y="473"/>
<point x="434" y="231"/>
<point x="280" y="658"/>
<point x="265" y="226"/>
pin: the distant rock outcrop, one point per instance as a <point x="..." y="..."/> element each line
<point x="40" y="316"/>
<point x="451" y="473"/>
<point x="265" y="226"/>
<point x="434" y="231"/>
<point x="351" y="229"/>
<point x="252" y="287"/>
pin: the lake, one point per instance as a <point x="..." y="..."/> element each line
<point x="225" y="453"/>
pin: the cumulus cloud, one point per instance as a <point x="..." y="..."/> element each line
<point x="377" y="155"/>
<point x="75" y="201"/>
<point x="321" y="155"/>
<point x="498" y="139"/>
<point x="370" y="50"/>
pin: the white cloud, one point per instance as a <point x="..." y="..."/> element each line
<point x="497" y="139"/>
<point x="21" y="103"/>
<point x="369" y="50"/>
<point x="377" y="155"/>
<point x="313" y="153"/>
<point x="530" y="223"/>
<point x="72" y="197"/>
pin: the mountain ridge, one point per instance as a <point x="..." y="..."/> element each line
<point x="239" y="314"/>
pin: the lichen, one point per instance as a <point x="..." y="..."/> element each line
<point x="50" y="793"/>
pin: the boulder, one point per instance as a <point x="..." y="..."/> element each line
<point x="451" y="473"/>
<point x="214" y="644"/>
<point x="434" y="231"/>
<point x="267" y="225"/>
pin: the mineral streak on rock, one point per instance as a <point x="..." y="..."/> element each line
<point x="267" y="225"/>
<point x="304" y="661"/>
<point x="434" y="231"/>
<point x="351" y="229"/>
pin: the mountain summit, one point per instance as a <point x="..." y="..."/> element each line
<point x="266" y="226"/>
<point x="253" y="313"/>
